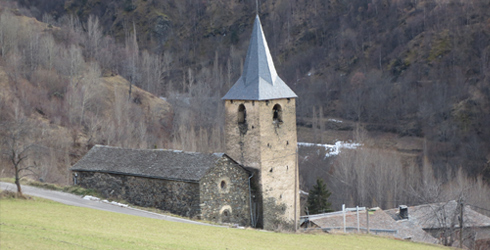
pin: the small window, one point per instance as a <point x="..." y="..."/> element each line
<point x="277" y="113"/>
<point x="223" y="185"/>
<point x="226" y="214"/>
<point x="242" y="114"/>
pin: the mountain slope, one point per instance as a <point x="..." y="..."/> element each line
<point x="391" y="70"/>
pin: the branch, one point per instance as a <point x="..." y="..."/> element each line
<point x="29" y="169"/>
<point x="16" y="159"/>
<point x="25" y="149"/>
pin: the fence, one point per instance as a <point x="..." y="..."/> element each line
<point x="345" y="228"/>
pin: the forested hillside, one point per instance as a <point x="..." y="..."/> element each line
<point x="56" y="102"/>
<point x="416" y="71"/>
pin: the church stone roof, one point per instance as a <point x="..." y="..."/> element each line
<point x="152" y="163"/>
<point x="259" y="80"/>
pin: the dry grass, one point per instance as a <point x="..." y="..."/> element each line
<point x="112" y="86"/>
<point x="7" y="194"/>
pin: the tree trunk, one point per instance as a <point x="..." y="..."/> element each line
<point x="17" y="182"/>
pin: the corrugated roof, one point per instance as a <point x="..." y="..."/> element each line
<point x="378" y="220"/>
<point x="440" y="215"/>
<point x="152" y="163"/>
<point x="259" y="80"/>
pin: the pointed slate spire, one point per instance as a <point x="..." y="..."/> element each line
<point x="259" y="80"/>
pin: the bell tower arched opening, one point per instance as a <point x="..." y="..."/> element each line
<point x="277" y="113"/>
<point x="242" y="114"/>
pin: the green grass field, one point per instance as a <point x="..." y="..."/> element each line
<point x="42" y="224"/>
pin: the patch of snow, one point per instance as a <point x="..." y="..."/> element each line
<point x="119" y="204"/>
<point x="163" y="98"/>
<point x="307" y="144"/>
<point x="334" y="120"/>
<point x="303" y="192"/>
<point x="331" y="149"/>
<point x="90" y="198"/>
<point x="309" y="73"/>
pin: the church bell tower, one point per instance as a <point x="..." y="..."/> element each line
<point x="260" y="126"/>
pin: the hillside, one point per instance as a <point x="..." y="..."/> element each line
<point x="413" y="68"/>
<point x="37" y="223"/>
<point x="66" y="109"/>
<point x="407" y="79"/>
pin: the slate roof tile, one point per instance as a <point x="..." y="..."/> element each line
<point x="259" y="80"/>
<point x="379" y="220"/>
<point x="152" y="163"/>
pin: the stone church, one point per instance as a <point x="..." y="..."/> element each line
<point x="255" y="183"/>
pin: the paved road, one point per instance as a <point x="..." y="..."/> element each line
<point x="75" y="200"/>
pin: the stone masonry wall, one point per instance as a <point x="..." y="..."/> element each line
<point x="243" y="144"/>
<point x="225" y="195"/>
<point x="180" y="198"/>
<point x="243" y="140"/>
<point x="279" y="172"/>
<point x="270" y="147"/>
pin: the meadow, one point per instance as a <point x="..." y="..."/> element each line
<point x="41" y="224"/>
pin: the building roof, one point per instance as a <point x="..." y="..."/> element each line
<point x="440" y="215"/>
<point x="151" y="163"/>
<point x="379" y="222"/>
<point x="259" y="80"/>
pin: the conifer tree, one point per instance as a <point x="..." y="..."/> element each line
<point x="318" y="198"/>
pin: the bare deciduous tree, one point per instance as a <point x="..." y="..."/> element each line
<point x="17" y="147"/>
<point x="9" y="27"/>
<point x="371" y="177"/>
<point x="130" y="68"/>
<point x="152" y="73"/>
<point x="47" y="51"/>
<point x="88" y="85"/>
<point x="94" y="36"/>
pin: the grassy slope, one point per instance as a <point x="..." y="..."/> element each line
<point x="41" y="224"/>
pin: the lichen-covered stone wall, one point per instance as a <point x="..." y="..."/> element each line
<point x="268" y="145"/>
<point x="242" y="140"/>
<point x="225" y="195"/>
<point x="279" y="172"/>
<point x="177" y="197"/>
